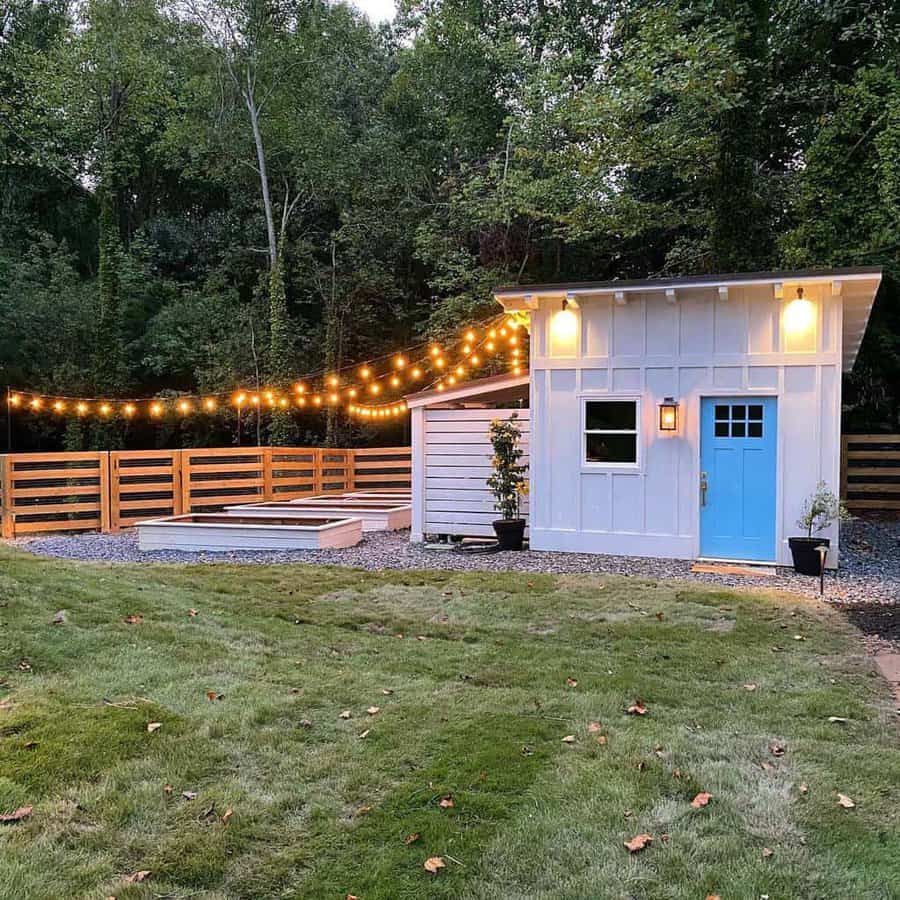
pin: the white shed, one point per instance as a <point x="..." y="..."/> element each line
<point x="684" y="417"/>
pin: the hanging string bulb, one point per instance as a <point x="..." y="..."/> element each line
<point x="129" y="409"/>
<point x="210" y="404"/>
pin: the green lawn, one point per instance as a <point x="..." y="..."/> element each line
<point x="470" y="673"/>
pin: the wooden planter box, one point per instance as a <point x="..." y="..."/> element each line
<point x="221" y="532"/>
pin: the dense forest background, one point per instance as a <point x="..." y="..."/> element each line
<point x="195" y="195"/>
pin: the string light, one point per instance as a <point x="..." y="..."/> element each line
<point x="401" y="367"/>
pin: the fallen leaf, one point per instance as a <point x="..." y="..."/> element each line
<point x="637" y="708"/>
<point x="776" y="749"/>
<point x="527" y="751"/>
<point x="638" y="842"/>
<point x="411" y="838"/>
<point x="345" y="714"/>
<point x="571" y="682"/>
<point x="659" y="616"/>
<point x="167" y="788"/>
<point x="749" y="686"/>
<point x="24" y="665"/>
<point x="594" y="727"/>
<point x="364" y="811"/>
<point x="138" y="877"/>
<point x="838" y="720"/>
<point x="434" y="864"/>
<point x="799" y="637"/>
<point x="59" y="618"/>
<point x="192" y="612"/>
<point x="387" y="691"/>
<point x="153" y="726"/>
<point x="364" y="734"/>
<point x="134" y="619"/>
<point x="446" y="802"/>
<point x="226" y="816"/>
<point x="712" y="897"/>
<point x="766" y="852"/>
<point x="601" y="740"/>
<point x="23" y="812"/>
<point x="766" y="766"/>
<point x="804" y="787"/>
<point x="569" y="739"/>
<point x="305" y="723"/>
<point x="189" y="795"/>
<point x="373" y="710"/>
<point x="845" y="801"/>
<point x="351" y="897"/>
<point x="701" y="799"/>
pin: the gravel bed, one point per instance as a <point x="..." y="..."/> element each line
<point x="870" y="561"/>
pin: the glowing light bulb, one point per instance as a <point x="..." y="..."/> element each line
<point x="333" y="398"/>
<point x="502" y="332"/>
<point x="435" y="350"/>
<point x="300" y="388"/>
<point x="460" y="371"/>
<point x="301" y="401"/>
<point x="210" y="404"/>
<point x="184" y="407"/>
<point x="81" y="408"/>
<point x="374" y="388"/>
<point x="365" y="372"/>
<point x="352" y="392"/>
<point x="105" y="409"/>
<point x="416" y="373"/>
<point x="317" y="400"/>
<point x="395" y="381"/>
<point x="15" y="400"/>
<point x="492" y="333"/>
<point x="333" y="381"/>
<point x="517" y="370"/>
<point x="475" y="360"/>
<point x="470" y="336"/>
<point x="254" y="400"/>
<point x="451" y="379"/>
<point x="36" y="403"/>
<point x="129" y="410"/>
<point x="440" y="386"/>
<point x="59" y="406"/>
<point x="240" y="399"/>
<point x="466" y="349"/>
<point x="282" y="402"/>
<point x="440" y="362"/>
<point x="399" y="362"/>
<point x="489" y="346"/>
<point x="513" y="341"/>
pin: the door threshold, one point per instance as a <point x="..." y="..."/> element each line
<point x="718" y="566"/>
<point x="737" y="562"/>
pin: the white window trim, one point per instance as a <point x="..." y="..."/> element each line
<point x="591" y="466"/>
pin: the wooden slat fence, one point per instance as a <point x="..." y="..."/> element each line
<point x="110" y="491"/>
<point x="870" y="471"/>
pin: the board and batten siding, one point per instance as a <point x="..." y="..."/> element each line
<point x="450" y="494"/>
<point x="650" y="348"/>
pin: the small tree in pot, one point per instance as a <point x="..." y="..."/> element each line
<point x="507" y="481"/>
<point x="819" y="510"/>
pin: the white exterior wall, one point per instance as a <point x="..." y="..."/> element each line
<point x="651" y="348"/>
<point x="451" y="464"/>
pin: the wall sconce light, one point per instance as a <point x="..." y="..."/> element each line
<point x="668" y="415"/>
<point x="564" y="323"/>
<point x="799" y="315"/>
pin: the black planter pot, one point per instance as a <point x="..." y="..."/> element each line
<point x="510" y="533"/>
<point x="807" y="560"/>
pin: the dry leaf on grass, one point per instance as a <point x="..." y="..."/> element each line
<point x="212" y="695"/>
<point x="446" y="802"/>
<point x="638" y="842"/>
<point x="411" y="838"/>
<point x="749" y="686"/>
<point x="373" y="710"/>
<point x="167" y="789"/>
<point x="138" y="877"/>
<point x="601" y="740"/>
<point x="594" y="727"/>
<point x="345" y="714"/>
<point x="776" y="749"/>
<point x="804" y="788"/>
<point x="702" y="799"/>
<point x="59" y="618"/>
<point x="569" y="739"/>
<point x="136" y="619"/>
<point x="23" y="812"/>
<point x="713" y="897"/>
<point x="637" y="708"/>
<point x="767" y="852"/>
<point x="838" y="720"/>
<point x="387" y="691"/>
<point x="189" y="795"/>
<point x="364" y="734"/>
<point x="571" y="682"/>
<point x="153" y="726"/>
<point x="192" y="612"/>
<point x="433" y="864"/>
<point x="226" y="816"/>
<point x="845" y="801"/>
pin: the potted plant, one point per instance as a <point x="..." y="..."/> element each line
<point x="507" y="482"/>
<point x="819" y="510"/>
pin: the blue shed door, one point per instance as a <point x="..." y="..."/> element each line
<point x="738" y="458"/>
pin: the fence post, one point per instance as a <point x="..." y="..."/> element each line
<point x="115" y="509"/>
<point x="177" y="500"/>
<point x="844" y="447"/>
<point x="184" y="471"/>
<point x="351" y="470"/>
<point x="7" y="517"/>
<point x="103" y="466"/>
<point x="268" y="493"/>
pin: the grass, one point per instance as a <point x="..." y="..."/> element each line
<point x="477" y="666"/>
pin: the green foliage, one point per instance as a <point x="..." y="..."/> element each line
<point x="820" y="509"/>
<point x="507" y="481"/>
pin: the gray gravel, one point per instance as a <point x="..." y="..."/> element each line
<point x="870" y="560"/>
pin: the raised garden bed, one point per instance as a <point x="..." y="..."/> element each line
<point x="376" y="515"/>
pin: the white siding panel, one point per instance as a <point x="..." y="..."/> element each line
<point x="457" y="456"/>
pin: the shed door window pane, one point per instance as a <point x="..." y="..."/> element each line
<point x="610" y="431"/>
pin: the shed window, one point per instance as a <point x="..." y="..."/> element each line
<point x="610" y="432"/>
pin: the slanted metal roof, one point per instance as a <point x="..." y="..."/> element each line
<point x="494" y="389"/>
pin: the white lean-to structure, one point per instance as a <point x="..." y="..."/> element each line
<point x="679" y="418"/>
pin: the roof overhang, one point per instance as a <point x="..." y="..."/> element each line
<point x="495" y="389"/>
<point x="855" y="286"/>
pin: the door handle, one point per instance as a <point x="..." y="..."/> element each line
<point x="704" y="487"/>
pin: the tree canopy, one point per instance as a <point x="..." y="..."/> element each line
<point x="197" y="195"/>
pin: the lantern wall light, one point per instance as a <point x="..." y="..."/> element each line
<point x="668" y="415"/>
